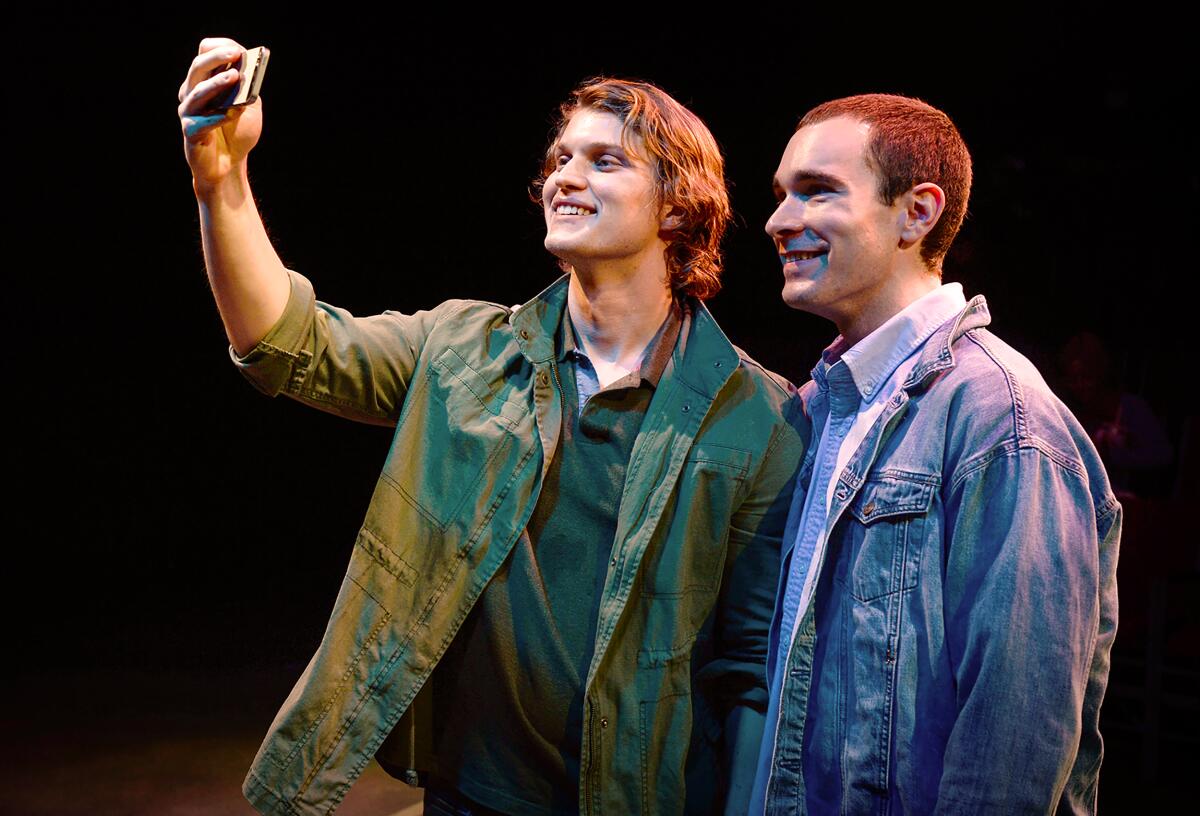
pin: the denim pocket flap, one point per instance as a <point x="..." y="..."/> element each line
<point x="890" y="496"/>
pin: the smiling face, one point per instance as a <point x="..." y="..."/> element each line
<point x="839" y="244"/>
<point x="600" y="199"/>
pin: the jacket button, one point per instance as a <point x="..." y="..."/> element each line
<point x="524" y="334"/>
<point x="869" y="508"/>
<point x="686" y="407"/>
<point x="718" y="364"/>
<point x="542" y="379"/>
<point x="604" y="722"/>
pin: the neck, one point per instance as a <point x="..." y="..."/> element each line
<point x="902" y="290"/>
<point x="616" y="317"/>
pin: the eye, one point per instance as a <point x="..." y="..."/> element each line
<point x="608" y="160"/>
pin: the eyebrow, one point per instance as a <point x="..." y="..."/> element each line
<point x="593" y="147"/>
<point x="801" y="177"/>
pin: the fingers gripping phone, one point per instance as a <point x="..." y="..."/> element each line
<point x="253" y="67"/>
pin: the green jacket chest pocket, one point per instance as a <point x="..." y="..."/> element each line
<point x="882" y="532"/>
<point x="450" y="448"/>
<point x="701" y="509"/>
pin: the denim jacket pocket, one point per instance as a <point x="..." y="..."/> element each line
<point x="884" y="531"/>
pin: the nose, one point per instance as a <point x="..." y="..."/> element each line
<point x="787" y="219"/>
<point x="567" y="176"/>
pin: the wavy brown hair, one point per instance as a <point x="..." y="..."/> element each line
<point x="688" y="169"/>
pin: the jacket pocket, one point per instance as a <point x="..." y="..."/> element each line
<point x="689" y="557"/>
<point x="452" y="430"/>
<point x="884" y="534"/>
<point x="664" y="728"/>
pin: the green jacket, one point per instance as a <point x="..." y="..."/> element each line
<point x="677" y="679"/>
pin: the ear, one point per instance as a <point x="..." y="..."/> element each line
<point x="923" y="206"/>
<point x="672" y="218"/>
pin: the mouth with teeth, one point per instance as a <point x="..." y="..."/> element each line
<point x="572" y="209"/>
<point x="797" y="256"/>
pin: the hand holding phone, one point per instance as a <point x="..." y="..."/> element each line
<point x="252" y="68"/>
<point x="220" y="111"/>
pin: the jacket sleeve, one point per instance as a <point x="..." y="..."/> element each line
<point x="357" y="367"/>
<point x="1030" y="613"/>
<point x="746" y="604"/>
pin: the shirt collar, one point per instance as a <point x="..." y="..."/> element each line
<point x="872" y="360"/>
<point x="654" y="358"/>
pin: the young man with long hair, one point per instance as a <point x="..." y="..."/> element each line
<point x="568" y="543"/>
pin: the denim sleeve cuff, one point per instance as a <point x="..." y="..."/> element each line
<point x="280" y="360"/>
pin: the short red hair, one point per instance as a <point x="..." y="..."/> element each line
<point x="911" y="142"/>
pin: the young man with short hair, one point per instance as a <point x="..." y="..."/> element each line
<point x="948" y="596"/>
<point x="580" y="502"/>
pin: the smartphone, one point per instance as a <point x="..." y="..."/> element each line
<point x="253" y="67"/>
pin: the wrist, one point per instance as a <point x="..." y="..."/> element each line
<point x="229" y="191"/>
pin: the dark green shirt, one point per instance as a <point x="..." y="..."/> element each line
<point x="508" y="695"/>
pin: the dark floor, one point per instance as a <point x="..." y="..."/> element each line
<point x="111" y="741"/>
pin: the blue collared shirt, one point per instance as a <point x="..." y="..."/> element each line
<point x="853" y="386"/>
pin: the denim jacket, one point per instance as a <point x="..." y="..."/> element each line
<point x="956" y="651"/>
<point x="677" y="674"/>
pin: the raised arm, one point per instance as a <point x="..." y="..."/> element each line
<point x="248" y="280"/>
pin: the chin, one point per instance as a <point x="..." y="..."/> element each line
<point x="797" y="296"/>
<point x="555" y="247"/>
<point x="561" y="241"/>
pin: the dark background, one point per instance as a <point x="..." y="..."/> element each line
<point x="166" y="519"/>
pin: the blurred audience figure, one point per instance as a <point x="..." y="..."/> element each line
<point x="1131" y="439"/>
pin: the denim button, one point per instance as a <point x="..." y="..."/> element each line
<point x="542" y="379"/>
<point x="604" y="722"/>
<point x="869" y="508"/>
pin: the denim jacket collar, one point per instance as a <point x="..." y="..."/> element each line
<point x="938" y="355"/>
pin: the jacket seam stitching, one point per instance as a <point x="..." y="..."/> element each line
<point x="386" y="616"/>
<point x="1012" y="447"/>
<point x="260" y="788"/>
<point x="1020" y="426"/>
<point x="315" y="396"/>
